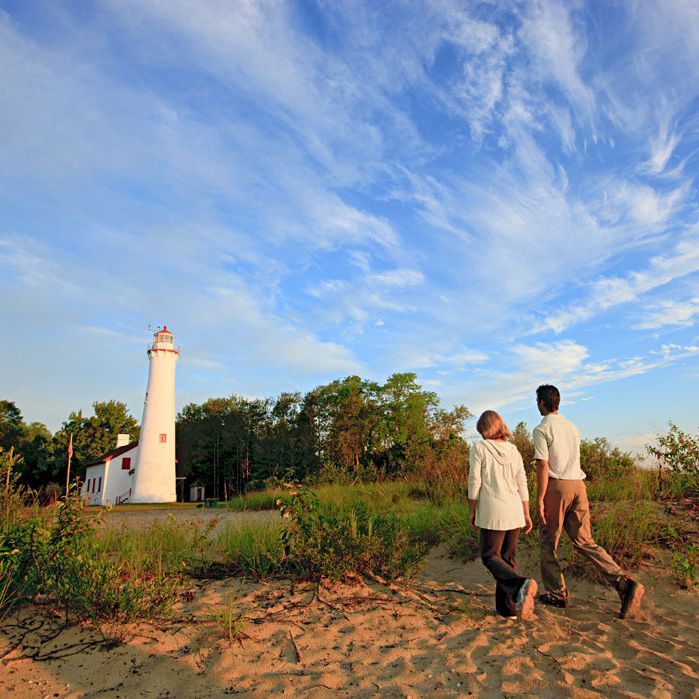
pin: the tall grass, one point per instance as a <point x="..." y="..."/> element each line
<point x="639" y="484"/>
<point x="380" y="496"/>
<point x="256" y="550"/>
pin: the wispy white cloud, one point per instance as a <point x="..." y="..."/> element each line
<point x="557" y="50"/>
<point x="664" y="313"/>
<point x="33" y="265"/>
<point x="609" y="292"/>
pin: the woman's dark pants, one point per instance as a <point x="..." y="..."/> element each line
<point x="498" y="553"/>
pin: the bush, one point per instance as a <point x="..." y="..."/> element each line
<point x="336" y="544"/>
<point x="57" y="558"/>
<point x="679" y="452"/>
<point x="600" y="461"/>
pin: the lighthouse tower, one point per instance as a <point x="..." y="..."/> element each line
<point x="154" y="474"/>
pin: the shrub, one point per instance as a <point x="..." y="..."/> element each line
<point x="353" y="541"/>
<point x="599" y="460"/>
<point x="679" y="452"/>
<point x="684" y="566"/>
<point x="58" y="559"/>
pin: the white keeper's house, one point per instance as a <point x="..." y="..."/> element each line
<point x="143" y="471"/>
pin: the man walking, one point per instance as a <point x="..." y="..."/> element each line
<point x="562" y="504"/>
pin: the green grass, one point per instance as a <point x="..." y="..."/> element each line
<point x="255" y="500"/>
<point x="387" y="496"/>
<point x="256" y="550"/>
<point x="641" y="484"/>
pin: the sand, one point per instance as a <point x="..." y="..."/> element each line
<point x="439" y="637"/>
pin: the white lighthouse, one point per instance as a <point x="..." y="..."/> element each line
<point x="154" y="474"/>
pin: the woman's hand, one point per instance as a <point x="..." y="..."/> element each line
<point x="528" y="526"/>
<point x="472" y="513"/>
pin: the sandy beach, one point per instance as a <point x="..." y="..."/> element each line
<point x="437" y="637"/>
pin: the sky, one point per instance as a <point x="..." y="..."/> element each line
<point x="492" y="195"/>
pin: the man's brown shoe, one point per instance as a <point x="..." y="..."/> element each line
<point x="552" y="600"/>
<point x="631" y="594"/>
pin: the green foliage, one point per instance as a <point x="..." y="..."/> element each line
<point x="347" y="431"/>
<point x="599" y="460"/>
<point x="56" y="557"/>
<point x="684" y="566"/>
<point x="93" y="436"/>
<point x="33" y="443"/>
<point x="354" y="541"/>
<point x="256" y="550"/>
<point x="522" y="439"/>
<point x="679" y="452"/>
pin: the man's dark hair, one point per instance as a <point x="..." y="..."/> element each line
<point x="550" y="396"/>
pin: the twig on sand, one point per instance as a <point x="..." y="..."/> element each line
<point x="297" y="655"/>
<point x="405" y="592"/>
<point x="552" y="657"/>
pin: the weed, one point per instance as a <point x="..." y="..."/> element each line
<point x="684" y="565"/>
<point x="233" y="624"/>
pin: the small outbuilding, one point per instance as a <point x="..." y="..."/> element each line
<point x="196" y="493"/>
<point x="108" y="480"/>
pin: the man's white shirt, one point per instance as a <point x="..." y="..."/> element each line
<point x="557" y="441"/>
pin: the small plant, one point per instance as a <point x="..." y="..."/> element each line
<point x="679" y="452"/>
<point x="684" y="565"/>
<point x="232" y="623"/>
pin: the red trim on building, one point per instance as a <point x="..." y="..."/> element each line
<point x="153" y="348"/>
<point x="112" y="454"/>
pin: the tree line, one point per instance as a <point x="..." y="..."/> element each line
<point x="42" y="456"/>
<point x="347" y="430"/>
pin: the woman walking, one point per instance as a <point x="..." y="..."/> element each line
<point x="499" y="504"/>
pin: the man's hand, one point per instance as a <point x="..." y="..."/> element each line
<point x="472" y="519"/>
<point x="542" y="481"/>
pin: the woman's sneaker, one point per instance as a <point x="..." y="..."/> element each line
<point x="525" y="599"/>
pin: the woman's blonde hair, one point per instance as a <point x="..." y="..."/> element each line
<point x="491" y="426"/>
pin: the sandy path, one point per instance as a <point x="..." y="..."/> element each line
<point x="141" y="518"/>
<point x="438" y="639"/>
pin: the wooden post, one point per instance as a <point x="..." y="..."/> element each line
<point x="70" y="454"/>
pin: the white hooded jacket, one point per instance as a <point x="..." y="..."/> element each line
<point x="497" y="481"/>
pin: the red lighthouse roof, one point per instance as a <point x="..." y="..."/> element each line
<point x="165" y="330"/>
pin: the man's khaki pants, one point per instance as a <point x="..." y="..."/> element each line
<point x="566" y="507"/>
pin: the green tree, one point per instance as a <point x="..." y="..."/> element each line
<point x="11" y="425"/>
<point x="32" y="442"/>
<point x="93" y="436"/>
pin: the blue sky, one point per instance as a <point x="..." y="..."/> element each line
<point x="493" y="195"/>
